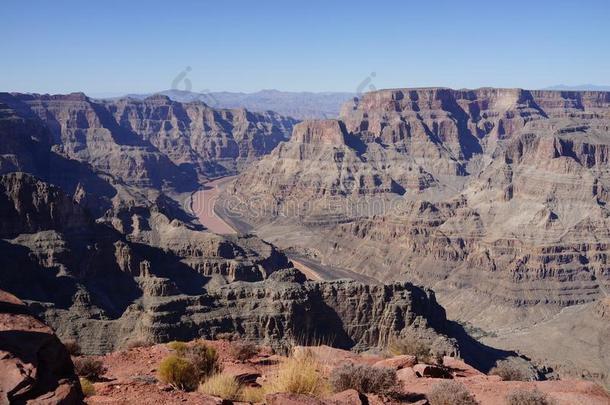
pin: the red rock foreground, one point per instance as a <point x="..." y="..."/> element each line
<point x="34" y="366"/>
<point x="131" y="377"/>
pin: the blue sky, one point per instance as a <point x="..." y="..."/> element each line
<point x="129" y="46"/>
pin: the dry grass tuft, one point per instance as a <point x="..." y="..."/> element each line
<point x="252" y="394"/>
<point x="221" y="385"/>
<point x="299" y="375"/>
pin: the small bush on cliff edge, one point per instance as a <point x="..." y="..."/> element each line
<point x="363" y="378"/>
<point x="179" y="373"/>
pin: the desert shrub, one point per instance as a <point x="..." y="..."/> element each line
<point x="87" y="387"/>
<point x="179" y="347"/>
<point x="89" y="368"/>
<point x="510" y="371"/>
<point x="204" y="358"/>
<point x="244" y="350"/>
<point x="299" y="375"/>
<point x="252" y="394"/>
<point x="411" y="345"/>
<point x="179" y="373"/>
<point x="525" y="397"/>
<point x="72" y="347"/>
<point x="450" y="393"/>
<point x="221" y="385"/>
<point x="363" y="378"/>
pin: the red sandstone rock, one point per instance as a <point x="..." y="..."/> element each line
<point x="34" y="365"/>
<point x="347" y="397"/>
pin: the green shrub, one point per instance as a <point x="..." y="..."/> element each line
<point x="89" y="368"/>
<point x="87" y="387"/>
<point x="525" y="397"/>
<point x="179" y="373"/>
<point x="363" y="378"/>
<point x="450" y="393"/>
<point x="221" y="385"/>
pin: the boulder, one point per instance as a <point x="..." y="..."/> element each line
<point x="347" y="397"/>
<point x="34" y="365"/>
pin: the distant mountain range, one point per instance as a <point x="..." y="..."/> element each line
<point x="299" y="105"/>
<point x="579" y="87"/>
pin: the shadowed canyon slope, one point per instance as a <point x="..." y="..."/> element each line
<point x="496" y="198"/>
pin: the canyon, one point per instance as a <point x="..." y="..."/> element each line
<point x="475" y="219"/>
<point x="495" y="198"/>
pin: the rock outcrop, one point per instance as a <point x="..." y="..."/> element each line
<point x="35" y="367"/>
